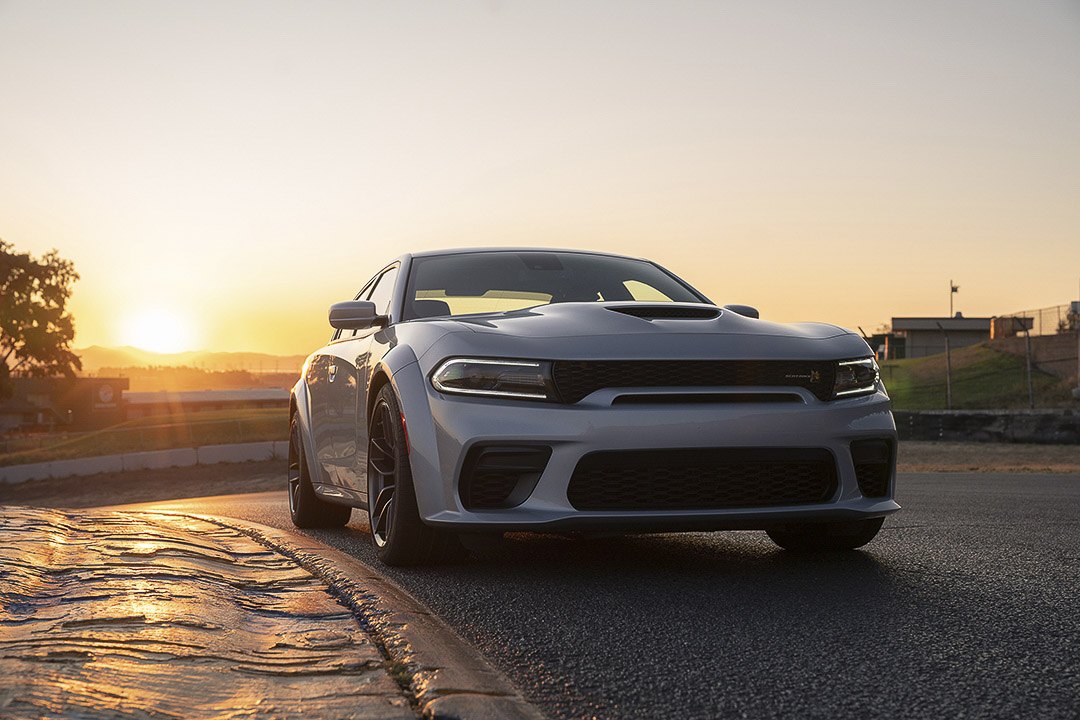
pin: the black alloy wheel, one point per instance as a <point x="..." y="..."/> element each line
<point x="382" y="472"/>
<point x="399" y="535"/>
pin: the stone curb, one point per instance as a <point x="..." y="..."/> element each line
<point x="151" y="460"/>
<point x="450" y="679"/>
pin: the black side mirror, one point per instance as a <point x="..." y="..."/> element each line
<point x="744" y="310"/>
<point x="354" y="315"/>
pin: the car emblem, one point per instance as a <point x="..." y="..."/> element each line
<point x="813" y="376"/>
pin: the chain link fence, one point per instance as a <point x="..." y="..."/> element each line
<point x="1055" y="320"/>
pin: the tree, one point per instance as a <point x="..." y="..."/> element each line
<point x="35" y="328"/>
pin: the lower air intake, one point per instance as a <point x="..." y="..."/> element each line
<point x="501" y="476"/>
<point x="873" y="466"/>
<point x="702" y="479"/>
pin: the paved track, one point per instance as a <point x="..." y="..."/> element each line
<point x="967" y="604"/>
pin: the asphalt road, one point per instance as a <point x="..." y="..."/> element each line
<point x="966" y="605"/>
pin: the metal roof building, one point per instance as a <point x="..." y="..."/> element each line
<point x="926" y="335"/>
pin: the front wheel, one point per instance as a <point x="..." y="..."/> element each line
<point x="842" y="535"/>
<point x="306" y="509"/>
<point x="400" y="536"/>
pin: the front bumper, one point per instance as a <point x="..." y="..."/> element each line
<point x="443" y="428"/>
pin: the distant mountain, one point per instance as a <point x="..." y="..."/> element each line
<point x="96" y="357"/>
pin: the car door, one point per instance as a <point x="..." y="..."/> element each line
<point x="368" y="349"/>
<point x="331" y="382"/>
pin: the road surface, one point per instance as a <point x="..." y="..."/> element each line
<point x="967" y="604"/>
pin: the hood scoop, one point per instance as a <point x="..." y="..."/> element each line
<point x="669" y="312"/>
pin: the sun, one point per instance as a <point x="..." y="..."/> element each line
<point x="158" y="329"/>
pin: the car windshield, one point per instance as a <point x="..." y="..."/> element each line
<point x="482" y="282"/>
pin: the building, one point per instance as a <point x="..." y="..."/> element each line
<point x="887" y="346"/>
<point x="68" y="404"/>
<point x="145" y="404"/>
<point x="926" y="335"/>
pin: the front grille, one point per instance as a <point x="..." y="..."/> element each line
<point x="873" y="466"/>
<point x="574" y="379"/>
<point x="662" y="312"/>
<point x="702" y="479"/>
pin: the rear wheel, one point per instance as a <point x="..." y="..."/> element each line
<point x="400" y="536"/>
<point x="305" y="507"/>
<point x="843" y="535"/>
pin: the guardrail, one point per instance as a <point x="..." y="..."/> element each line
<point x="1045" y="427"/>
<point x="150" y="460"/>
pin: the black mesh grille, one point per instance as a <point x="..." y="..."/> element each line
<point x="574" y="379"/>
<point x="662" y="312"/>
<point x="873" y="479"/>
<point x="702" y="479"/>
<point x="501" y="476"/>
<point x="873" y="466"/>
<point x="491" y="489"/>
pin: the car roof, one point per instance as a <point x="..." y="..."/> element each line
<point x="472" y="250"/>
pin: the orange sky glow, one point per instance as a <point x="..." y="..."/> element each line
<point x="221" y="172"/>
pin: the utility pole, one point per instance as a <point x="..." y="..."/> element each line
<point x="952" y="291"/>
<point x="948" y="364"/>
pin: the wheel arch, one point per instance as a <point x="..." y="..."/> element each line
<point x="298" y="408"/>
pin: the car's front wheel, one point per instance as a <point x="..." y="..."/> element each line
<point x="306" y="509"/>
<point x="842" y="535"/>
<point x="400" y="536"/>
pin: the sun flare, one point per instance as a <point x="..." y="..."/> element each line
<point x="158" y="330"/>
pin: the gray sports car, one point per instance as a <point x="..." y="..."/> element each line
<point x="492" y="390"/>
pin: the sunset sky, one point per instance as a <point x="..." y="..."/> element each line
<point x="220" y="172"/>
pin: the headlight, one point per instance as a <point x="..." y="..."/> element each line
<point x="530" y="379"/>
<point x="855" y="377"/>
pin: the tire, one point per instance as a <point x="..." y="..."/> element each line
<point x="399" y="535"/>
<point x="811" y="537"/>
<point x="306" y="509"/>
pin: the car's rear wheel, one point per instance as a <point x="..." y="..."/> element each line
<point x="843" y="535"/>
<point x="400" y="536"/>
<point x="306" y="509"/>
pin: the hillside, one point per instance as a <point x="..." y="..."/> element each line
<point x="982" y="378"/>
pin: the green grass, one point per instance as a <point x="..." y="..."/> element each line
<point x="982" y="378"/>
<point x="162" y="432"/>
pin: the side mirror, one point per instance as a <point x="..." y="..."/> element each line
<point x="354" y="315"/>
<point x="744" y="310"/>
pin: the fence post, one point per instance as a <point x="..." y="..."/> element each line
<point x="948" y="370"/>
<point x="1031" y="389"/>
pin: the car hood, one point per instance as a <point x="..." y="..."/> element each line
<point x="584" y="331"/>
<point x="594" y="319"/>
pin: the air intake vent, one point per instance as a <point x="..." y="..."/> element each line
<point x="500" y="476"/>
<point x="702" y="479"/>
<point x="873" y="466"/>
<point x="668" y="312"/>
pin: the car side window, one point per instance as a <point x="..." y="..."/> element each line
<point x="383" y="291"/>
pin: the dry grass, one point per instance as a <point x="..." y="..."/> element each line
<point x="982" y="378"/>
<point x="988" y="457"/>
<point x="163" y="432"/>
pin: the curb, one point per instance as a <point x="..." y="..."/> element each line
<point x="150" y="460"/>
<point x="449" y="678"/>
